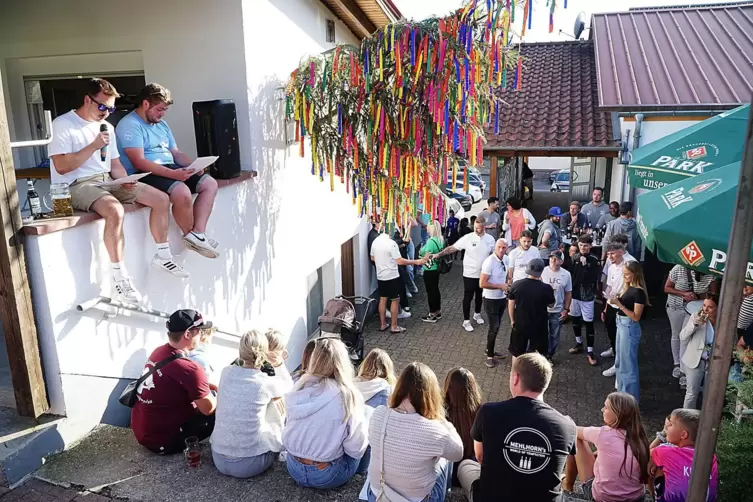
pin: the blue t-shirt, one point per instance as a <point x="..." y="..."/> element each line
<point x="156" y="139"/>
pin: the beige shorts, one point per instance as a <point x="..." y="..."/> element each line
<point x="85" y="192"/>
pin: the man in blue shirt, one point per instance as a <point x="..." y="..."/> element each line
<point x="146" y="144"/>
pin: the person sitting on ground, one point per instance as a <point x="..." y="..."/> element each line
<point x="550" y="235"/>
<point x="200" y="354"/>
<point x="305" y="358"/>
<point x="376" y="378"/>
<point x="661" y="437"/>
<point x="503" y="433"/>
<point x="671" y="462"/>
<point x="517" y="219"/>
<point x="147" y="145"/>
<point x="528" y="301"/>
<point x="478" y="245"/>
<point x="386" y="256"/>
<point x="413" y="444"/>
<point x="462" y="399"/>
<point x="277" y="355"/>
<point x="176" y="401"/>
<point x="618" y="471"/>
<point x="697" y="335"/>
<point x="76" y="152"/>
<point x="325" y="433"/>
<point x="246" y="437"/>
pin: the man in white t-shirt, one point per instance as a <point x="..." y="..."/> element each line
<point x="478" y="246"/>
<point x="521" y="256"/>
<point x="494" y="282"/>
<point x="386" y="256"/>
<point x="617" y="257"/>
<point x="562" y="284"/>
<point x="83" y="153"/>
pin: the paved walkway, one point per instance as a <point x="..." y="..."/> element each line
<point x="36" y="490"/>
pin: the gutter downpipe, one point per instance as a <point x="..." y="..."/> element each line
<point x="636" y="144"/>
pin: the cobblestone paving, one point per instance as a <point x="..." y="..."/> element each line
<point x="36" y="490"/>
<point x="577" y="389"/>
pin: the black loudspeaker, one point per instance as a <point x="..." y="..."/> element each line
<point x="216" y="128"/>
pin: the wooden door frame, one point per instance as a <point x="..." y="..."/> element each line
<point x="16" y="311"/>
<point x="348" y="267"/>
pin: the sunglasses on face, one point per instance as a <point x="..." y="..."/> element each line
<point x="101" y="107"/>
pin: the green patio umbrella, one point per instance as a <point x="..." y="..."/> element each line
<point x="688" y="222"/>
<point x="702" y="147"/>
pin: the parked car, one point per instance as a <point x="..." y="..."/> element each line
<point x="463" y="198"/>
<point x="552" y="175"/>
<point x="561" y="181"/>
<point x="455" y="205"/>
<point x="473" y="190"/>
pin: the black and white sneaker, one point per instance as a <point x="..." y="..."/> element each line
<point x="202" y="245"/>
<point x="429" y="318"/>
<point x="170" y="267"/>
<point x="125" y="291"/>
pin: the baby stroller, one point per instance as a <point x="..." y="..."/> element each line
<point x="344" y="317"/>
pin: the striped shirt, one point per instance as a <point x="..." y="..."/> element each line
<point x="679" y="275"/>
<point x="746" y="313"/>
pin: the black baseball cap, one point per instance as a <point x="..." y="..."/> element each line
<point x="185" y="319"/>
<point x="535" y="267"/>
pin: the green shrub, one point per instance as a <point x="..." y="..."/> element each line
<point x="734" y="452"/>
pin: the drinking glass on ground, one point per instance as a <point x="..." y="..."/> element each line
<point x="193" y="452"/>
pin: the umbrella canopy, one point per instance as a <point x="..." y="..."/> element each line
<point x="688" y="223"/>
<point x="702" y="147"/>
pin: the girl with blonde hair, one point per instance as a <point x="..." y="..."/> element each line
<point x="376" y="378"/>
<point x="413" y="444"/>
<point x="620" y="470"/>
<point x="629" y="302"/>
<point x="277" y="355"/>
<point x="246" y="438"/>
<point x="434" y="245"/>
<point x="325" y="433"/>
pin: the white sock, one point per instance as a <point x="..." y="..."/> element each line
<point x="163" y="251"/>
<point x="590" y="350"/>
<point x="579" y="340"/>
<point x="118" y="271"/>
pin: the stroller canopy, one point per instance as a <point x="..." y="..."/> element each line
<point x="338" y="313"/>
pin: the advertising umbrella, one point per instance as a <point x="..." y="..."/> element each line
<point x="692" y="151"/>
<point x="688" y="223"/>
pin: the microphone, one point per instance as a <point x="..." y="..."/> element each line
<point x="103" y="150"/>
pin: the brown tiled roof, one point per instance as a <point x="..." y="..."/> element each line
<point x="556" y="107"/>
<point x="675" y="58"/>
<point x="364" y="17"/>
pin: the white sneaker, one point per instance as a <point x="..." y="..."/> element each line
<point x="402" y="315"/>
<point x="125" y="292"/>
<point x="467" y="326"/>
<point x="408" y="295"/>
<point x="676" y="373"/>
<point x="170" y="266"/>
<point x="608" y="353"/>
<point x="610" y="372"/>
<point x="203" y="246"/>
<point x="478" y="318"/>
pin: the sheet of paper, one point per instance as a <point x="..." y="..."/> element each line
<point x="121" y="181"/>
<point x="202" y="163"/>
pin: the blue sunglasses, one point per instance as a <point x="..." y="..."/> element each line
<point x="101" y="107"/>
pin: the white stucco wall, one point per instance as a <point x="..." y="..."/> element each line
<point x="274" y="231"/>
<point x="652" y="129"/>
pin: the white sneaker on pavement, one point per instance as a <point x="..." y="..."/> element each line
<point x="467" y="326"/>
<point x="170" y="266"/>
<point x="402" y="315"/>
<point x="408" y="294"/>
<point x="125" y="292"/>
<point x="608" y="353"/>
<point x="202" y="245"/>
<point x="478" y="318"/>
<point x="610" y="372"/>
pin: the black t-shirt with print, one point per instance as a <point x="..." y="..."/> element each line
<point x="630" y="298"/>
<point x="526" y="443"/>
<point x="532" y="297"/>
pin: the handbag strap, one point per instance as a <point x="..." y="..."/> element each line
<point x="173" y="357"/>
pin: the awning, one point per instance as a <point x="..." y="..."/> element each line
<point x="702" y="147"/>
<point x="688" y="223"/>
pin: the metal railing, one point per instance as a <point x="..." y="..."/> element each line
<point x="38" y="142"/>
<point x="131" y="307"/>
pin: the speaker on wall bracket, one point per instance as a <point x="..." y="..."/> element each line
<point x="216" y="128"/>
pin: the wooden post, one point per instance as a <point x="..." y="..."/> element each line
<point x="16" y="311"/>
<point x="493" y="176"/>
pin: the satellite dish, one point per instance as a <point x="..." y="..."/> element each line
<point x="580" y="25"/>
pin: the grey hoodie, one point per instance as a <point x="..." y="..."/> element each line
<point x="316" y="429"/>
<point x="624" y="226"/>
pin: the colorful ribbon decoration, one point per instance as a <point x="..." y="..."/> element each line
<point x="391" y="117"/>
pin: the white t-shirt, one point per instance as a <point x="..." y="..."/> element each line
<point x="519" y="261"/>
<point x="477" y="249"/>
<point x="615" y="279"/>
<point x="71" y="134"/>
<point x="496" y="269"/>
<point x="561" y="282"/>
<point x="385" y="253"/>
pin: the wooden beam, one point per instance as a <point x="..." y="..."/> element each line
<point x="356" y="16"/>
<point x="493" y="176"/>
<point x="16" y="311"/>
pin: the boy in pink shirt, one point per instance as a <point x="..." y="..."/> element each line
<point x="671" y="462"/>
